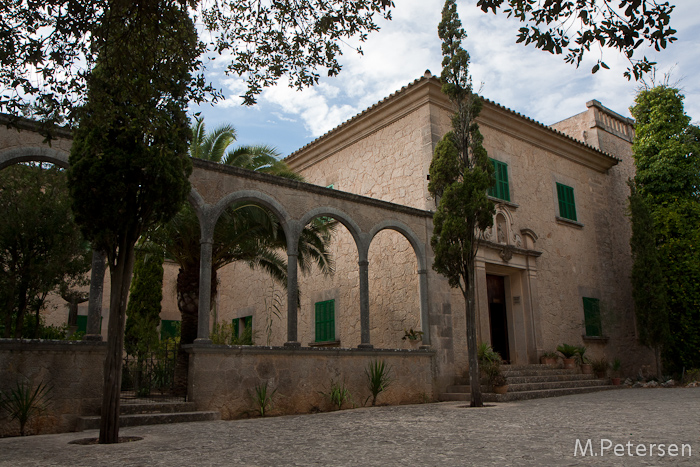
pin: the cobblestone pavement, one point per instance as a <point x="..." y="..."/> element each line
<point x="541" y="432"/>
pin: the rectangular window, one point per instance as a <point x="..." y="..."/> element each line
<point x="500" y="189"/>
<point x="240" y="324"/>
<point x="81" y="322"/>
<point x="591" y="314"/>
<point x="567" y="206"/>
<point x="169" y="328"/>
<point x="325" y="321"/>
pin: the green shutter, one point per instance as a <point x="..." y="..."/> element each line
<point x="567" y="205"/>
<point x="591" y="314"/>
<point x="500" y="189"/>
<point x="234" y="323"/>
<point x="169" y="328"/>
<point x="325" y="321"/>
<point x="82" y="323"/>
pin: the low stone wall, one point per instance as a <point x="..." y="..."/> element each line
<point x="224" y="377"/>
<point x="73" y="369"/>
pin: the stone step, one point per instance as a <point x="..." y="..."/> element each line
<point x="526" y="395"/>
<point x="93" y="422"/>
<point x="539" y="372"/>
<point x="128" y="408"/>
<point x="523" y="395"/>
<point x="534" y="386"/>
<point x="548" y="378"/>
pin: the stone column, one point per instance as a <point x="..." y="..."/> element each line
<point x="424" y="311"/>
<point x="97" y="279"/>
<point x="364" y="305"/>
<point x="204" y="291"/>
<point x="292" y="300"/>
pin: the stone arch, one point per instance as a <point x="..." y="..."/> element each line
<point x="419" y="250"/>
<point x="36" y="154"/>
<point x="341" y="217"/>
<point x="258" y="197"/>
<point x="406" y="231"/>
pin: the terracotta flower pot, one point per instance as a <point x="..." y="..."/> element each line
<point x="548" y="361"/>
<point x="500" y="389"/>
<point x="616" y="381"/>
<point x="586" y="368"/>
<point x="569" y="363"/>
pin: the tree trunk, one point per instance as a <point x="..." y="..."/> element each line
<point x="120" y="275"/>
<point x="474" y="374"/>
<point x="21" y="308"/>
<point x="659" y="372"/>
<point x="188" y="304"/>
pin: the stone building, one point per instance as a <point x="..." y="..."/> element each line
<point x="554" y="268"/>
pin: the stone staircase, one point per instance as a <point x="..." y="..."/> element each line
<point x="151" y="413"/>
<point x="531" y="382"/>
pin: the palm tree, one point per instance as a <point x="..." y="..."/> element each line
<point x="244" y="233"/>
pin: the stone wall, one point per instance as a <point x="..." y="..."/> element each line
<point x="224" y="378"/>
<point x="73" y="370"/>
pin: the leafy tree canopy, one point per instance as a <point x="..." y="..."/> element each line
<point x="667" y="182"/>
<point x="40" y="245"/>
<point x="573" y="27"/>
<point x="47" y="48"/>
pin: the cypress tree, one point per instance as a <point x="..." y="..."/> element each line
<point x="460" y="175"/>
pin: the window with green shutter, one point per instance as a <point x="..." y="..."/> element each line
<point x="591" y="314"/>
<point x="500" y="189"/>
<point x="325" y="321"/>
<point x="81" y="322"/>
<point x="169" y="328"/>
<point x="567" y="205"/>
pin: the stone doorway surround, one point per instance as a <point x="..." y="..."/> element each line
<point x="511" y="254"/>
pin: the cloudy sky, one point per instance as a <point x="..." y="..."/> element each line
<point x="527" y="80"/>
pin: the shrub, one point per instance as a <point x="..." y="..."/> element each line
<point x="378" y="380"/>
<point x="25" y="401"/>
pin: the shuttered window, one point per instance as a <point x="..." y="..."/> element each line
<point x="567" y="205"/>
<point x="169" y="328"/>
<point x="325" y="321"/>
<point x="500" y="189"/>
<point x="591" y="313"/>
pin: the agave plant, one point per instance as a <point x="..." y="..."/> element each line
<point x="25" y="401"/>
<point x="378" y="379"/>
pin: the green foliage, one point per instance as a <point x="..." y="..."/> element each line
<point x="378" y="379"/>
<point x="143" y="310"/>
<point x="489" y="362"/>
<point x="600" y="366"/>
<point x="568" y="351"/>
<point x="263" y="41"/>
<point x="411" y="335"/>
<point x="665" y="206"/>
<point x="460" y="175"/>
<point x="25" y="401"/>
<point x="581" y="355"/>
<point x="338" y="394"/>
<point x="599" y="23"/>
<point x="263" y="398"/>
<point x="223" y="334"/>
<point x="648" y="285"/>
<point x="616" y="366"/>
<point x="41" y="247"/>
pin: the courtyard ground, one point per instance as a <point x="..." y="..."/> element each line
<point x="620" y="424"/>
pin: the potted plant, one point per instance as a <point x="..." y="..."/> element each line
<point x="412" y="336"/>
<point x="583" y="361"/>
<point x="549" y="358"/>
<point x="616" y="380"/>
<point x="569" y="352"/>
<point x="600" y="367"/>
<point x="490" y="365"/>
<point x="499" y="384"/>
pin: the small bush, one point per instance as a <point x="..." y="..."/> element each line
<point x="25" y="401"/>
<point x="338" y="394"/>
<point x="263" y="398"/>
<point x="378" y="379"/>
